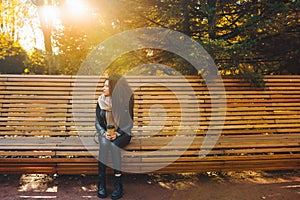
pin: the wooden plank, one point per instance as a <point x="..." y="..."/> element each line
<point x="27" y="168"/>
<point x="19" y="153"/>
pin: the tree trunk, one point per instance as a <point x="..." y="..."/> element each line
<point x="186" y="17"/>
<point x="212" y="18"/>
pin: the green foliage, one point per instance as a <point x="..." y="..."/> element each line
<point x="71" y="51"/>
<point x="9" y="14"/>
<point x="11" y="56"/>
<point x="36" y="62"/>
<point x="245" y="38"/>
<point x="241" y="36"/>
<point x="8" y="47"/>
<point x="151" y="62"/>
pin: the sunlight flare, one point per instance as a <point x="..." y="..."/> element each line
<point x="76" y="7"/>
<point x="49" y="14"/>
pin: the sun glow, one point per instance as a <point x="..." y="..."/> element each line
<point x="76" y="8"/>
<point x="51" y="17"/>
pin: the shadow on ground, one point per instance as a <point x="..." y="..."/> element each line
<point x="247" y="185"/>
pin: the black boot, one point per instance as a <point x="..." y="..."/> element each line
<point x="102" y="186"/>
<point x="118" y="188"/>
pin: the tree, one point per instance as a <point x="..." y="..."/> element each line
<point x="242" y="36"/>
<point x="12" y="55"/>
<point x="35" y="62"/>
<point x="13" y="63"/>
<point x="245" y="37"/>
<point x="79" y="35"/>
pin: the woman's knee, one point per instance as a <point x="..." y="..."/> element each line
<point x="122" y="141"/>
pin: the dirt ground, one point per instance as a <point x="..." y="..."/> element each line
<point x="248" y="185"/>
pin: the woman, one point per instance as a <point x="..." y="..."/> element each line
<point x="114" y="107"/>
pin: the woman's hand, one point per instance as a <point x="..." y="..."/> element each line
<point x="109" y="137"/>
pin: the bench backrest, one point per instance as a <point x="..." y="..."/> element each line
<point x="44" y="105"/>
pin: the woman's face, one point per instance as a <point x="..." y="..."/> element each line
<point x="106" y="88"/>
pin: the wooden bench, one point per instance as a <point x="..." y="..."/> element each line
<point x="47" y="125"/>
